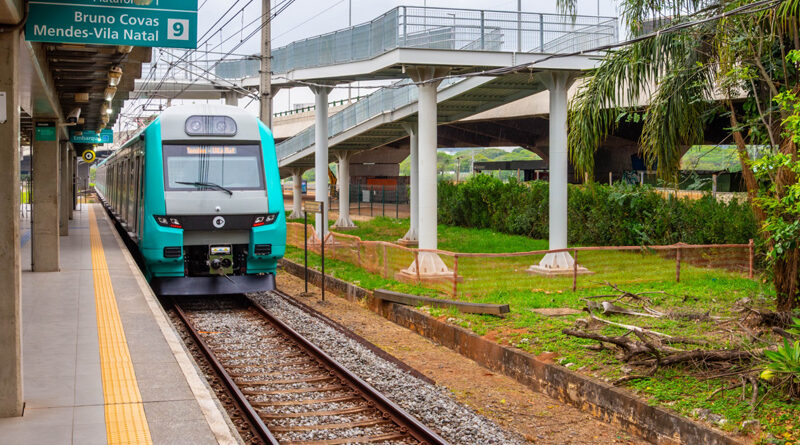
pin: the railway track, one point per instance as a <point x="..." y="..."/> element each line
<point x="291" y="391"/>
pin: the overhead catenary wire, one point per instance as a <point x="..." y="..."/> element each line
<point x="277" y="10"/>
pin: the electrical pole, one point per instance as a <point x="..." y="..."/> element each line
<point x="265" y="89"/>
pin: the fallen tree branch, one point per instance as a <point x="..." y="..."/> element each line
<point x="629" y="327"/>
<point x="704" y="355"/>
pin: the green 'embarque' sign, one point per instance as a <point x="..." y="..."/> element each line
<point x="92" y="137"/>
<point x="164" y="23"/>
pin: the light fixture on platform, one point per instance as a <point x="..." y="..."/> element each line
<point x="110" y="93"/>
<point x="114" y="76"/>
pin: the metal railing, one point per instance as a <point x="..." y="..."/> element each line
<point x="383" y="100"/>
<point x="437" y="28"/>
<point x="451" y="29"/>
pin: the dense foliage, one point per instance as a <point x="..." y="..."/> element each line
<point x="709" y="60"/>
<point x="599" y="215"/>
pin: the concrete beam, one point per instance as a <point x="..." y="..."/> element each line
<point x="11" y="272"/>
<point x="45" y="249"/>
<point x="412" y="236"/>
<point x="344" y="221"/>
<point x="428" y="264"/>
<point x="11" y="11"/>
<point x="65" y="190"/>
<point x="297" y="194"/>
<point x="321" y="156"/>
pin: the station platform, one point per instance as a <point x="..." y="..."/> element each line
<point x="101" y="361"/>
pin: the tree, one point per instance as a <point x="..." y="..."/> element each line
<point x="710" y="59"/>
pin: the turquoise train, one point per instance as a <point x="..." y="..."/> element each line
<point x="198" y="192"/>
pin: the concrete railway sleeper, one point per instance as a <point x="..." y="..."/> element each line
<point x="291" y="391"/>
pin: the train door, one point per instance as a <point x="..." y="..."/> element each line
<point x="135" y="192"/>
<point x="140" y="200"/>
<point x="123" y="190"/>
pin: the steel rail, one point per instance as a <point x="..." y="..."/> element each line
<point x="252" y="416"/>
<point x="401" y="417"/>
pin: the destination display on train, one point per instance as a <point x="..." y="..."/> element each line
<point x="211" y="150"/>
<point x="163" y="23"/>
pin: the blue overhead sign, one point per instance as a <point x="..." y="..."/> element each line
<point x="163" y="23"/>
<point x="92" y="137"/>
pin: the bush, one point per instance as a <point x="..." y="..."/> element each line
<point x="599" y="215"/>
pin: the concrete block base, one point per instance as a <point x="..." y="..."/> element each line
<point x="431" y="268"/>
<point x="408" y="242"/>
<point x="557" y="264"/>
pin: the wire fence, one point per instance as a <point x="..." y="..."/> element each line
<point x="470" y="274"/>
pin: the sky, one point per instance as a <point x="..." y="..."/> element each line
<point x="308" y="18"/>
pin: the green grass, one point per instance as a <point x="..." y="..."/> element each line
<point x="456" y="239"/>
<point x="505" y="282"/>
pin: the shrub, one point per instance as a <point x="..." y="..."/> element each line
<point x="599" y="215"/>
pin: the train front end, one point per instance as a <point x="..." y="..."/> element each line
<point x="215" y="221"/>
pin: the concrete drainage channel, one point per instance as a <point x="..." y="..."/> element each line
<point x="244" y="339"/>
<point x="601" y="400"/>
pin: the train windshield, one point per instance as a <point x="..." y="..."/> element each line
<point x="209" y="167"/>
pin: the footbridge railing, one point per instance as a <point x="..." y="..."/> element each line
<point x="438" y="28"/>
<point x="448" y="28"/>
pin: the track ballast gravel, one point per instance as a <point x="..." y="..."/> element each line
<point x="432" y="405"/>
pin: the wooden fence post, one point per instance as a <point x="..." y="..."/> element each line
<point x="678" y="265"/>
<point x="385" y="265"/>
<point x="751" y="254"/>
<point x="358" y="246"/>
<point x="416" y="262"/>
<point x="575" y="270"/>
<point x="455" y="276"/>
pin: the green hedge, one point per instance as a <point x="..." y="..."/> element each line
<point x="599" y="215"/>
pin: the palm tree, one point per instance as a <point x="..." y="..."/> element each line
<point x="708" y="59"/>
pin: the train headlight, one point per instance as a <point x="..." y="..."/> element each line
<point x="168" y="221"/>
<point x="211" y="126"/>
<point x="264" y="220"/>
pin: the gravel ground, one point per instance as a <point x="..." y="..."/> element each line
<point x="432" y="405"/>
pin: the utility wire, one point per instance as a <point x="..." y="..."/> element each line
<point x="278" y="9"/>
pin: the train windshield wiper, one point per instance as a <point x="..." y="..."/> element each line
<point x="207" y="184"/>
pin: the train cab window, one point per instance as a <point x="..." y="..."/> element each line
<point x="234" y="167"/>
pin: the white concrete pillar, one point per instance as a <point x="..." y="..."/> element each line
<point x="412" y="236"/>
<point x="73" y="163"/>
<point x="344" y="221"/>
<point x="11" y="272"/>
<point x="430" y="264"/>
<point x="66" y="192"/>
<point x="428" y="145"/>
<point x="321" y="155"/>
<point x="45" y="249"/>
<point x="297" y="194"/>
<point x="558" y="82"/>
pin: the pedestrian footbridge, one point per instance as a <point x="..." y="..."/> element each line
<point x="446" y="65"/>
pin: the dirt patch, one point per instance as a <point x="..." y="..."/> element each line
<point x="512" y="405"/>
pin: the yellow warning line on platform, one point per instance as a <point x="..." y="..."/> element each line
<point x="125" y="419"/>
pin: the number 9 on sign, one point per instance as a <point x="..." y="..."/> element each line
<point x="177" y="29"/>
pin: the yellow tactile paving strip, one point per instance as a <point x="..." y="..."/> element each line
<point x="125" y="419"/>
